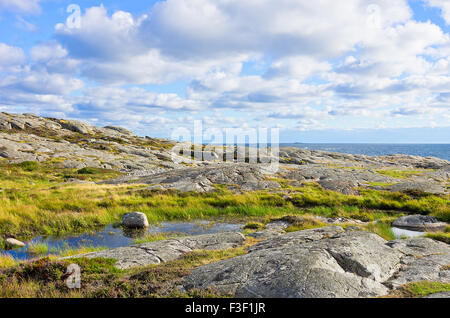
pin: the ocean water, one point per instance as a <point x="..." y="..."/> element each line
<point x="425" y="150"/>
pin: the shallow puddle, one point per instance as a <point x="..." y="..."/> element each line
<point x="112" y="237"/>
<point x="400" y="233"/>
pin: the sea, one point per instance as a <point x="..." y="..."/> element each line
<point x="425" y="150"/>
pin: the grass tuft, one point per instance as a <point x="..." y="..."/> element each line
<point x="423" y="288"/>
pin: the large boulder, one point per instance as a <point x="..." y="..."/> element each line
<point x="135" y="220"/>
<point x="419" y="223"/>
<point x="13" y="243"/>
<point x="120" y="130"/>
<point x="325" y="262"/>
<point x="76" y="126"/>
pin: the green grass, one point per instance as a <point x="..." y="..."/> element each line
<point x="254" y="226"/>
<point x="423" y="288"/>
<point x="36" y="202"/>
<point x="89" y="170"/>
<point x="100" y="279"/>
<point x="303" y="223"/>
<point x="382" y="229"/>
<point x="380" y="184"/>
<point x="28" y="165"/>
<point x="153" y="237"/>
<point x="66" y="251"/>
<point x="38" y="249"/>
<point x="7" y="261"/>
<point x="439" y="236"/>
<point x="402" y="174"/>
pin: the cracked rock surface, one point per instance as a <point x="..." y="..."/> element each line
<point x="325" y="262"/>
<point x="203" y="179"/>
<point x="167" y="250"/>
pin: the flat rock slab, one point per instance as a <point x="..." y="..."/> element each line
<point x="167" y="250"/>
<point x="428" y="187"/>
<point x="325" y="262"/>
<point x="423" y="259"/>
<point x="245" y="177"/>
<point x="439" y="295"/>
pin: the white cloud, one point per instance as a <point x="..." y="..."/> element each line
<point x="444" y="5"/>
<point x="10" y="57"/>
<point x="27" y="6"/>
<point x="358" y="60"/>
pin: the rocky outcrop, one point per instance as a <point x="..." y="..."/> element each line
<point x="73" y="144"/>
<point x="202" y="179"/>
<point x="134" y="220"/>
<point x="419" y="223"/>
<point x="345" y="187"/>
<point x="427" y="187"/>
<point x="325" y="262"/>
<point x="423" y="259"/>
<point x="167" y="250"/>
<point x="304" y="156"/>
<point x="439" y="295"/>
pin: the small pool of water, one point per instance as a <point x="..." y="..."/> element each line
<point x="400" y="233"/>
<point x="112" y="237"/>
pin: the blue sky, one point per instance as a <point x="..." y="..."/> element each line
<point x="329" y="71"/>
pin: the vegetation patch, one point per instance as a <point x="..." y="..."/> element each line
<point x="421" y="289"/>
<point x="439" y="236"/>
<point x="39" y="203"/>
<point x="100" y="279"/>
<point x="28" y="165"/>
<point x="254" y="226"/>
<point x="7" y="261"/>
<point x="383" y="229"/>
<point x="403" y="174"/>
<point x="153" y="237"/>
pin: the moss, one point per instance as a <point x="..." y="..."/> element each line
<point x="439" y="236"/>
<point x="28" y="165"/>
<point x="152" y="237"/>
<point x="423" y="288"/>
<point x="254" y="226"/>
<point x="303" y="223"/>
<point x="402" y="174"/>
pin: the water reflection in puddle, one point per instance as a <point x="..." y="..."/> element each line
<point x="113" y="237"/>
<point x="400" y="233"/>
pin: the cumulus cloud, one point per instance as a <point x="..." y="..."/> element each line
<point x="444" y="5"/>
<point x="27" y="6"/>
<point x="319" y="61"/>
<point x="11" y="57"/>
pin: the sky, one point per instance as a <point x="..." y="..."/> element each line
<point x="320" y="71"/>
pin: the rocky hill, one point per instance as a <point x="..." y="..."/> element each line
<point x="75" y="144"/>
<point x="318" y="226"/>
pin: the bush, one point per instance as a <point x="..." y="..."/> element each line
<point x="28" y="165"/>
<point x="87" y="170"/>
